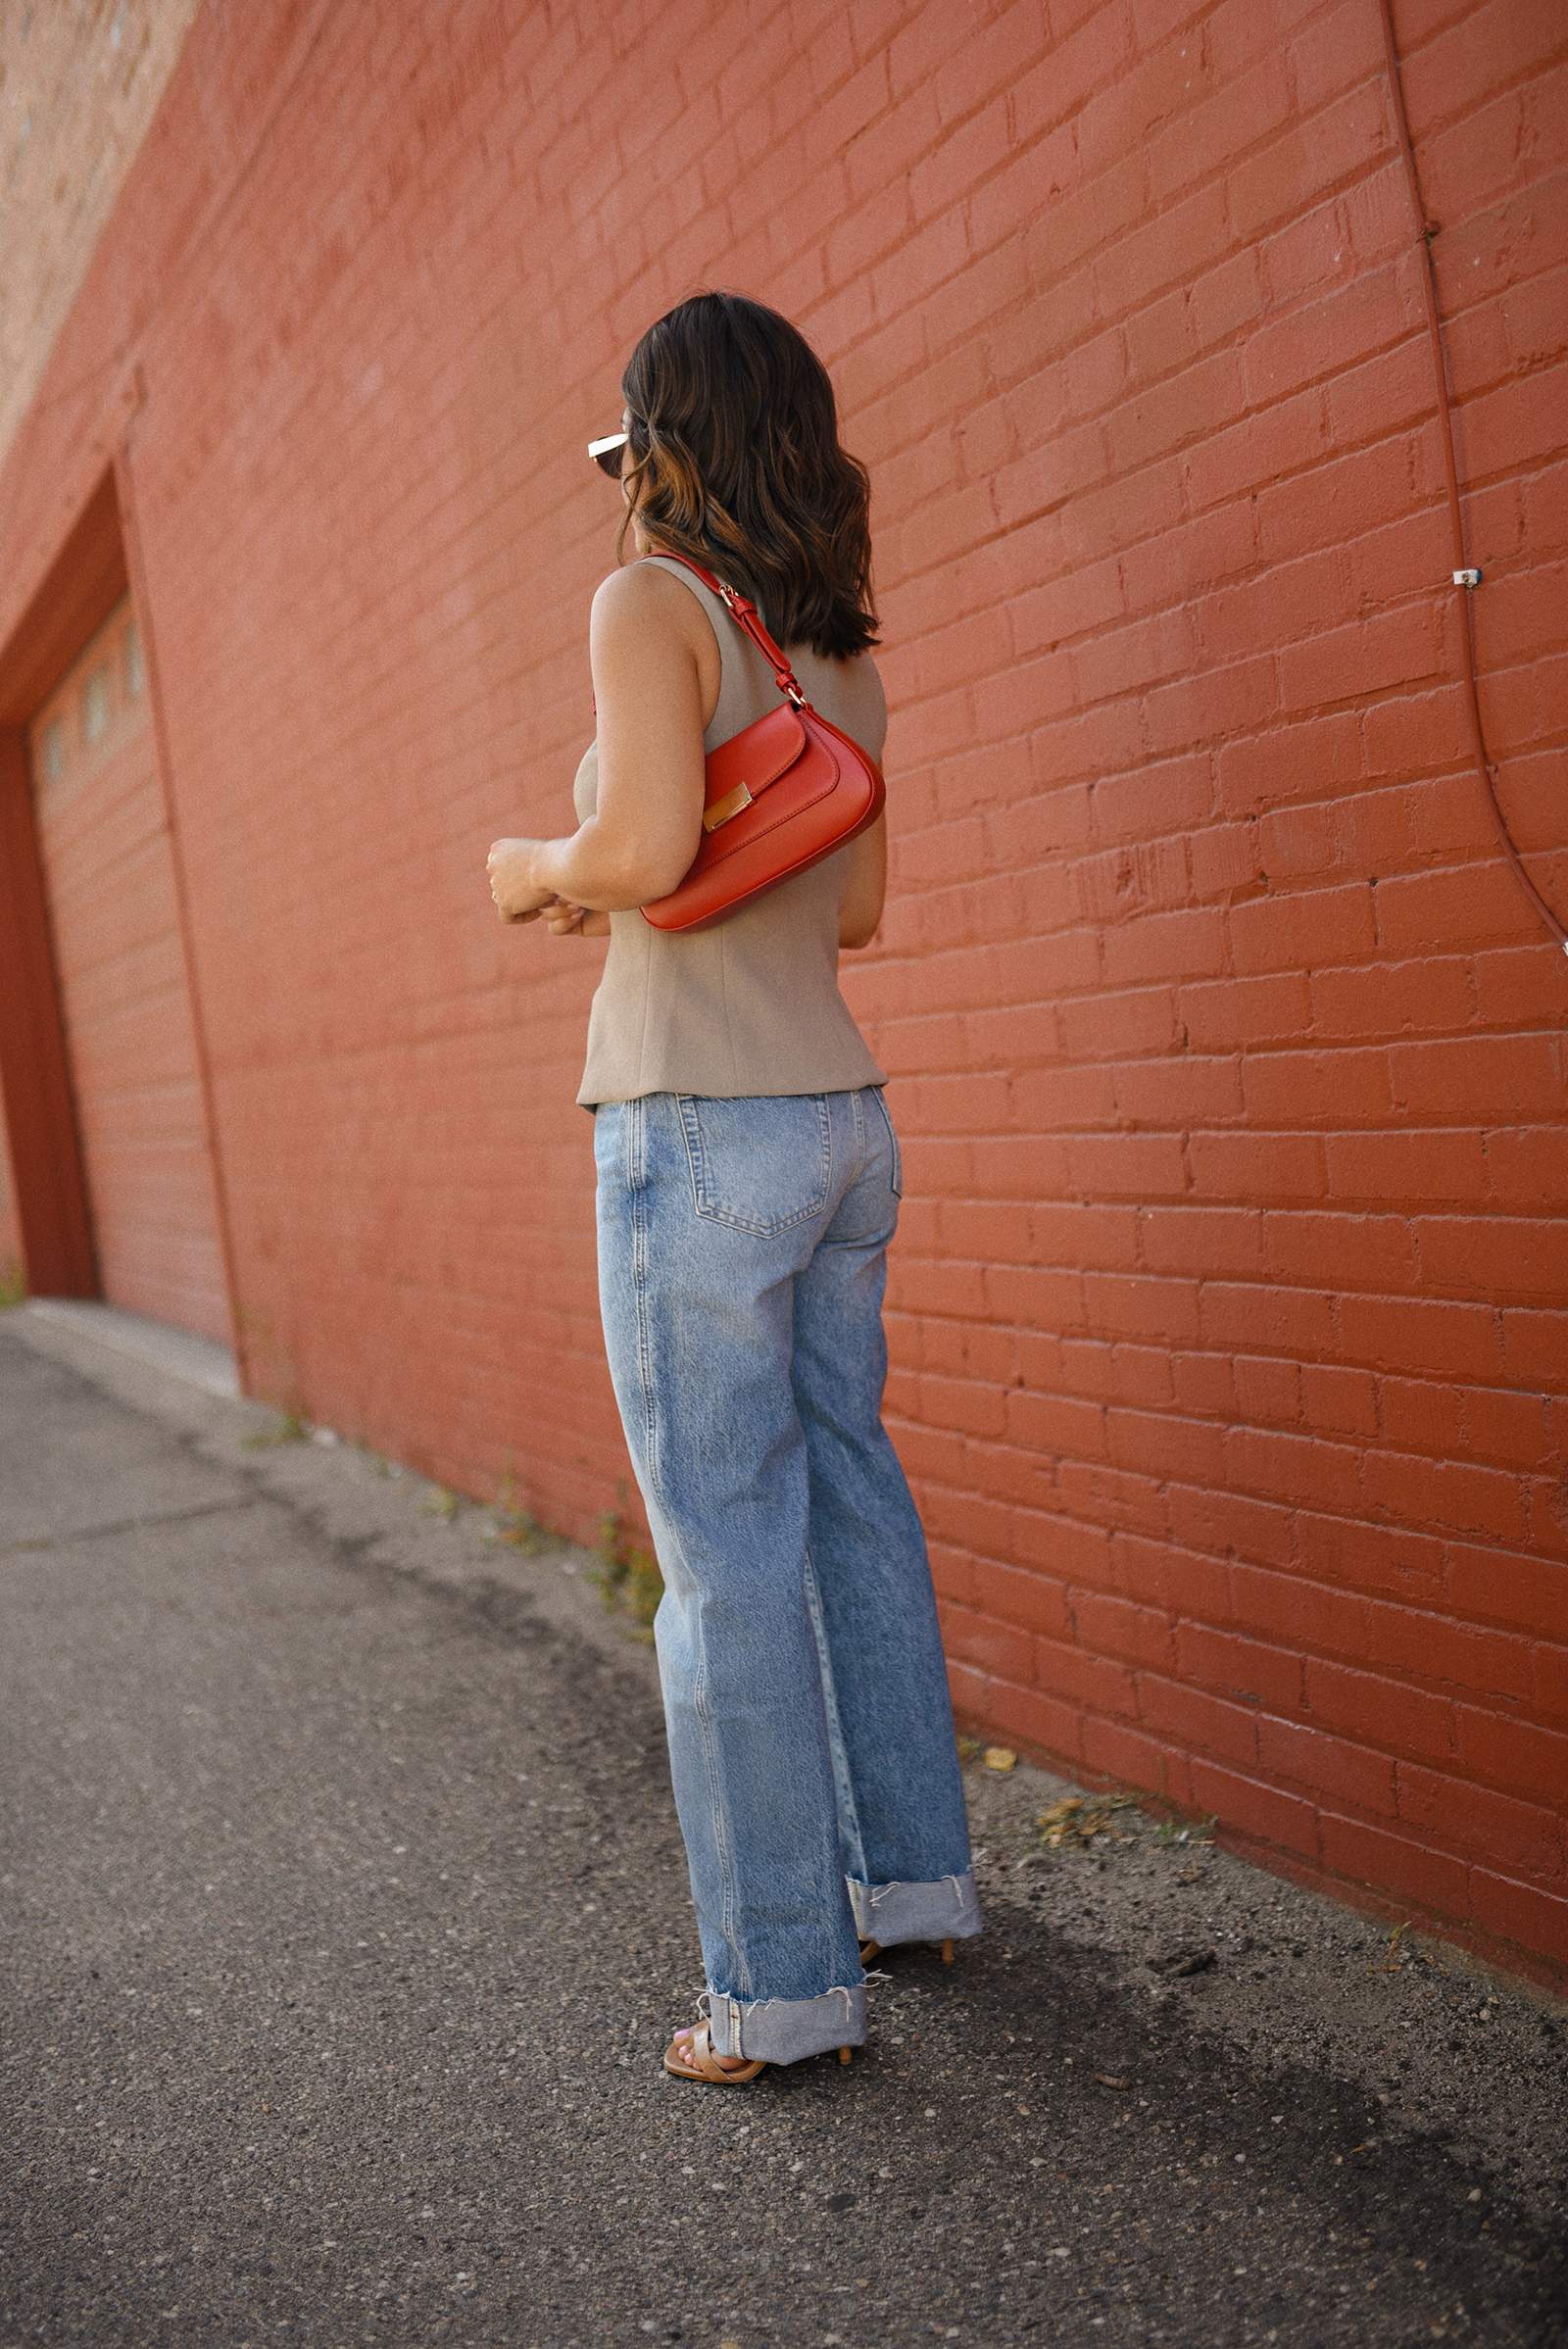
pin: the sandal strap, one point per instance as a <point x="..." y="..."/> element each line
<point x="703" y="2058"/>
<point x="698" y="2062"/>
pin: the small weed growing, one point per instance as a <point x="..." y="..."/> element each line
<point x="290" y="1429"/>
<point x="516" y="1525"/>
<point x="628" y="1577"/>
<point x="1171" y="1831"/>
<point x="442" y="1503"/>
<point x="1393" y="1959"/>
<point x="13" y="1283"/>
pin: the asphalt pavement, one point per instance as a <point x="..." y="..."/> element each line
<point x="343" y="1920"/>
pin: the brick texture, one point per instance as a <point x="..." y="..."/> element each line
<point x="1229" y="1356"/>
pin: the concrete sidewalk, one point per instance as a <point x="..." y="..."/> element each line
<point x="343" y="1919"/>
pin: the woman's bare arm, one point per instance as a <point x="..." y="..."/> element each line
<point x="655" y="667"/>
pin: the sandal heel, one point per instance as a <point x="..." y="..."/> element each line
<point x="947" y="1953"/>
<point x="845" y="2054"/>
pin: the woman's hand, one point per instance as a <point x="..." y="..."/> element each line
<point x="519" y="898"/>
<point x="563" y="920"/>
<point x="517" y="895"/>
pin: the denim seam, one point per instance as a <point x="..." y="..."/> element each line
<point x="896" y="1168"/>
<point x="636" y="1184"/>
<point x="838" y="1751"/>
<point x="721" y="1851"/>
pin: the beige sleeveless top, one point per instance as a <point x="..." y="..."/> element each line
<point x="752" y="1006"/>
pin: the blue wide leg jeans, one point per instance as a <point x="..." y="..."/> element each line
<point x="742" y="1261"/>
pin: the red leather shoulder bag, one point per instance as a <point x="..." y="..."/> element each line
<point x="779" y="796"/>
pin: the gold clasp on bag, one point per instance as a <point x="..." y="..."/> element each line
<point x="722" y="809"/>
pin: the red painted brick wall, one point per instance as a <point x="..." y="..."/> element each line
<point x="1231" y="1359"/>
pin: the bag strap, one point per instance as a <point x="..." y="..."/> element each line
<point x="744" y="612"/>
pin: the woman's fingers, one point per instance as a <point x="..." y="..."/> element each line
<point x="509" y="867"/>
<point x="564" y="919"/>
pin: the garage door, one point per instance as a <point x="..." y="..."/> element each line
<point x="109" y="879"/>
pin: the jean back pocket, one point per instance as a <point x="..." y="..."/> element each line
<point x="760" y="1163"/>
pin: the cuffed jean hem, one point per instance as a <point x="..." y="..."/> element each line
<point x="945" y="1911"/>
<point x="781" y="2031"/>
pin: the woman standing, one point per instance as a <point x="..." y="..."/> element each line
<point x="748" y="1189"/>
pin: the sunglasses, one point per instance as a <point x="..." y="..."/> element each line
<point x="606" y="454"/>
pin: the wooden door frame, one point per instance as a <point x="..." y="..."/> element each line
<point x="49" y="1189"/>
<point x="83" y="586"/>
<point x="123" y="489"/>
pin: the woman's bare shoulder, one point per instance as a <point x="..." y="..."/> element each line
<point x="639" y="591"/>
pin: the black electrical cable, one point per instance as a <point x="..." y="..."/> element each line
<point x="1465" y="579"/>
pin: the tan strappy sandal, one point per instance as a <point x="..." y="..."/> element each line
<point x="704" y="2064"/>
<point x="873" y="1949"/>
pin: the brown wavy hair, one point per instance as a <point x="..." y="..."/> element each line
<point x="736" y="458"/>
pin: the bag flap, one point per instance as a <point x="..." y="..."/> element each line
<point x="755" y="756"/>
